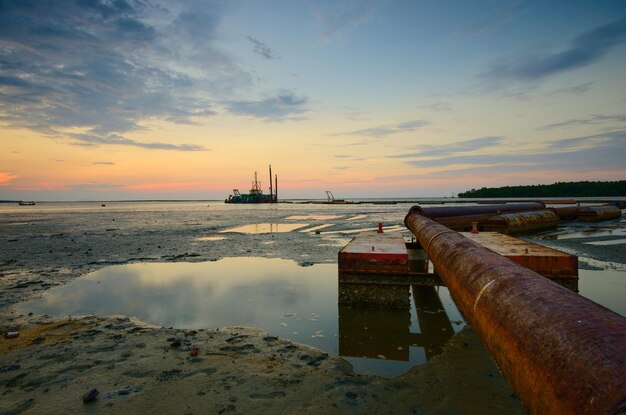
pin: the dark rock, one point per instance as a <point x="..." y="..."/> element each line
<point x="91" y="395"/>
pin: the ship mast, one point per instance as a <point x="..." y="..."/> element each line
<point x="271" y="190"/>
<point x="256" y="186"/>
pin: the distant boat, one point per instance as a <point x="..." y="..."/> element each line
<point x="21" y="203"/>
<point x="255" y="195"/>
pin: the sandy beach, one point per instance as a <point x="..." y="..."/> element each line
<point x="138" y="367"/>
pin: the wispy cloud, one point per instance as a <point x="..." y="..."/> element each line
<point x="504" y="12"/>
<point x="262" y="49"/>
<point x="337" y="19"/>
<point x="115" y="139"/>
<point x="6" y="178"/>
<point x="104" y="163"/>
<point x="467" y="146"/>
<point x="108" y="66"/>
<point x="436" y="107"/>
<point x="572" y="90"/>
<point x="593" y="120"/>
<point x="281" y="107"/>
<point x="584" y="50"/>
<point x="564" y="155"/>
<point x="385" y="130"/>
<point x="98" y="187"/>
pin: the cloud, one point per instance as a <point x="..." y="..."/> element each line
<point x="281" y="107"/>
<point x="572" y="90"/>
<point x="98" y="187"/>
<point x="385" y="130"/>
<point x="110" y="66"/>
<point x="262" y="49"/>
<point x="104" y="163"/>
<point x="6" y="178"/>
<point x="339" y="18"/>
<point x="584" y="50"/>
<point x="607" y="150"/>
<point x="593" y="120"/>
<point x="453" y="148"/>
<point x="437" y="107"/>
<point x="115" y="139"/>
<point x="503" y="14"/>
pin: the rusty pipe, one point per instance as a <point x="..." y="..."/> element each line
<point x="561" y="353"/>
<point x="445" y="211"/>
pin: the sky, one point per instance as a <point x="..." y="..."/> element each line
<point x="164" y="99"/>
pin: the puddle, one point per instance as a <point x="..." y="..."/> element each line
<point x="591" y="233"/>
<point x="357" y="217"/>
<point x="314" y="217"/>
<point x="298" y="303"/>
<point x="610" y="242"/>
<point x="210" y="238"/>
<point x="316" y="228"/>
<point x="606" y="287"/>
<point x="395" y="228"/>
<point x="256" y="228"/>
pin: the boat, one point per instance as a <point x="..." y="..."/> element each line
<point x="255" y="194"/>
<point x="21" y="203"/>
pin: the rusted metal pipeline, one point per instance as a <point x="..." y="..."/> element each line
<point x="567" y="212"/>
<point x="597" y="213"/>
<point x="519" y="222"/>
<point x="561" y="353"/>
<point x="461" y="217"/>
<point x="443" y="211"/>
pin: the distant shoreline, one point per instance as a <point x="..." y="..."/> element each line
<point x="359" y="201"/>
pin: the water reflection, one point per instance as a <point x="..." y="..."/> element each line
<point x="387" y="333"/>
<point x="590" y="233"/>
<point x="256" y="228"/>
<point x="299" y="303"/>
<point x="606" y="287"/>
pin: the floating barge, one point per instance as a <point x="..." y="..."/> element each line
<point x="255" y="194"/>
<point x="376" y="268"/>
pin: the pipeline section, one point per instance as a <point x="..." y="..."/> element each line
<point x="561" y="353"/>
<point x="461" y="217"/>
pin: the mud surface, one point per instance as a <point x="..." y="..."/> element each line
<point x="50" y="244"/>
<point x="137" y="369"/>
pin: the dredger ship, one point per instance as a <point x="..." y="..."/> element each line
<point x="255" y="194"/>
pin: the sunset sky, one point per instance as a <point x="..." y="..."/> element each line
<point x="164" y="99"/>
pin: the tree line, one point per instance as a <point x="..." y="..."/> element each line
<point x="559" y="189"/>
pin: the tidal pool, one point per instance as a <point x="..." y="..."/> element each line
<point x="256" y="228"/>
<point x="589" y="233"/>
<point x="299" y="303"/>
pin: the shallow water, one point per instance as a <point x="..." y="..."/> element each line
<point x="288" y="300"/>
<point x="590" y="233"/>
<point x="257" y="228"/>
<point x="606" y="287"/>
<point x="299" y="303"/>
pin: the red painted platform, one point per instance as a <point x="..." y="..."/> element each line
<point x="375" y="253"/>
<point x="546" y="261"/>
<point x="370" y="256"/>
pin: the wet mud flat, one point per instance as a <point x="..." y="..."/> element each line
<point x="45" y="247"/>
<point x="138" y="369"/>
<point x="49" y="245"/>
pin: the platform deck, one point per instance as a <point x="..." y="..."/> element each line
<point x="376" y="253"/>
<point x="543" y="260"/>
